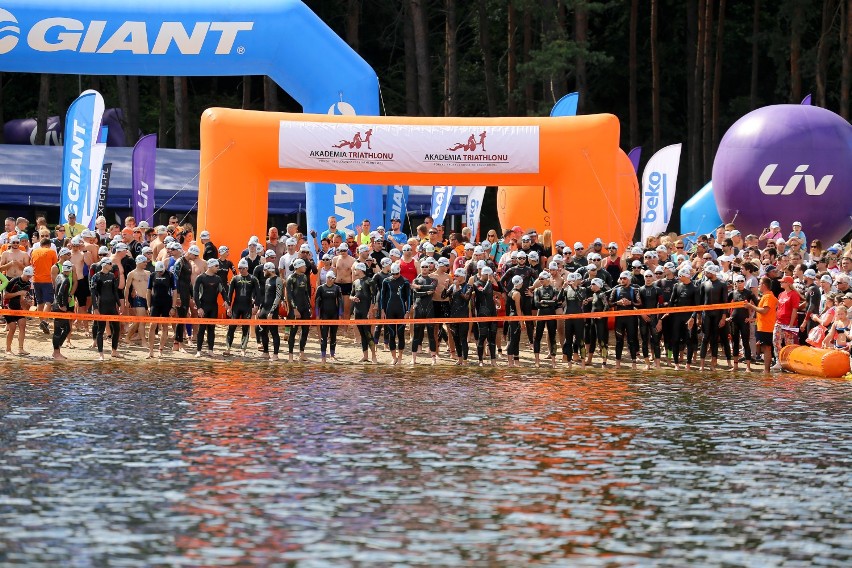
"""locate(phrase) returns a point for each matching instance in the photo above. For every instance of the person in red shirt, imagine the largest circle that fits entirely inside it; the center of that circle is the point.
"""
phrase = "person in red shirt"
(786, 315)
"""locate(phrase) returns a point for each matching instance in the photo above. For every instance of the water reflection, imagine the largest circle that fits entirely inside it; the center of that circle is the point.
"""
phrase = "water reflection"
(214, 465)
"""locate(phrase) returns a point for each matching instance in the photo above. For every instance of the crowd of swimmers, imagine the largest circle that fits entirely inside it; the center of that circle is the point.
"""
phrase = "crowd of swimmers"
(794, 291)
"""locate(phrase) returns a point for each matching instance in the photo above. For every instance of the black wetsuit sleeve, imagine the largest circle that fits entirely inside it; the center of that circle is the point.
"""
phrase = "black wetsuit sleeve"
(96, 292)
(197, 291)
(256, 291)
(279, 294)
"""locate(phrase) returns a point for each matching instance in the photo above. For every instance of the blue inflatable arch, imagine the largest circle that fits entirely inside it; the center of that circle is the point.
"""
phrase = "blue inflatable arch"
(283, 39)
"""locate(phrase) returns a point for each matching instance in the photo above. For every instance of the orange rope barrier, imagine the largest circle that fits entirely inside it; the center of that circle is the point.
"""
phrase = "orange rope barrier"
(340, 322)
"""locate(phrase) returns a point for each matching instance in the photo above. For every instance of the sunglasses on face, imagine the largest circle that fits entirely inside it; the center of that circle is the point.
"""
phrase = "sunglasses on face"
(579, 248)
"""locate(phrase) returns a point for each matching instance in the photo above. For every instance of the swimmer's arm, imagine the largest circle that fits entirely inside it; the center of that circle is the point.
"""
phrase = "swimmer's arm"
(3, 282)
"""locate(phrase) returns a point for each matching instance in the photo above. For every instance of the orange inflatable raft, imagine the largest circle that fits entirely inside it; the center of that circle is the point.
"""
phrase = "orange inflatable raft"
(807, 360)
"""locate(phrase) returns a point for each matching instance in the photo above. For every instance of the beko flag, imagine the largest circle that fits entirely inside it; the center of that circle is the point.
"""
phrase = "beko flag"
(441, 197)
(144, 173)
(474, 208)
(658, 189)
(397, 203)
(81, 159)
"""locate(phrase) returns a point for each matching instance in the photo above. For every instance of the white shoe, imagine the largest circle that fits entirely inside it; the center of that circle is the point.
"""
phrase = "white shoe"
(776, 367)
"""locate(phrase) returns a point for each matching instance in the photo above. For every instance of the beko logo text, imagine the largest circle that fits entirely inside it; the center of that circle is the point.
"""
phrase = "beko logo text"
(811, 185)
(69, 34)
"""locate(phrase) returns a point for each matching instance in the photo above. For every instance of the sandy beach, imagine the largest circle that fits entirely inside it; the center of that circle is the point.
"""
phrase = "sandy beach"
(39, 347)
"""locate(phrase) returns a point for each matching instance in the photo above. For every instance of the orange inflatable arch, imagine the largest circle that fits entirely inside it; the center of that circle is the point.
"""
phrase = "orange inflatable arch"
(242, 151)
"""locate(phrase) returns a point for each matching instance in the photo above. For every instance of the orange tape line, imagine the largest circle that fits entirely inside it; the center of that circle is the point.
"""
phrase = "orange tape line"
(499, 319)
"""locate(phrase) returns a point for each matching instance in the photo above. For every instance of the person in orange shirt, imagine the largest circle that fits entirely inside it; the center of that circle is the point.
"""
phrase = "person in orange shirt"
(766, 314)
(43, 260)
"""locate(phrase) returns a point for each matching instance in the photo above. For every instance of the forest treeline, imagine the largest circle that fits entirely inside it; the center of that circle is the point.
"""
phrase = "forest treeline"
(671, 70)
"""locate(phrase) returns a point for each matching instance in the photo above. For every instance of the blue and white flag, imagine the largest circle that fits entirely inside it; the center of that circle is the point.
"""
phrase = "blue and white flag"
(397, 203)
(82, 159)
(658, 190)
(441, 197)
(473, 209)
(566, 106)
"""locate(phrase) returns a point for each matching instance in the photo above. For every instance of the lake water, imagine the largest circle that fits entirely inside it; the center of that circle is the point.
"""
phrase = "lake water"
(207, 464)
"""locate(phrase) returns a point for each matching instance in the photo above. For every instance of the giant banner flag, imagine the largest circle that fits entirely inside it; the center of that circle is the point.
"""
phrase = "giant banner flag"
(474, 208)
(142, 180)
(82, 159)
(397, 203)
(441, 197)
(202, 38)
(658, 190)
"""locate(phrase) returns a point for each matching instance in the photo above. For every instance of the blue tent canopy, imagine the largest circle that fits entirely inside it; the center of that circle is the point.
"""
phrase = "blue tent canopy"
(30, 176)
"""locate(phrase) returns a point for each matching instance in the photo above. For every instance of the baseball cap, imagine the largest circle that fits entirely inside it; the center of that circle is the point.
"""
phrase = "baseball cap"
(739, 278)
(769, 268)
(192, 250)
(141, 259)
(774, 224)
(298, 263)
(797, 223)
(517, 229)
(28, 271)
(787, 280)
(204, 235)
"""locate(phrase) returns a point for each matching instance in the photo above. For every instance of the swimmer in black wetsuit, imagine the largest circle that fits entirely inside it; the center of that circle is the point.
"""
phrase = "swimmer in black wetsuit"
(459, 293)
(243, 293)
(395, 301)
(61, 298)
(573, 348)
(714, 323)
(545, 300)
(162, 292)
(514, 307)
(484, 285)
(596, 331)
(105, 301)
(271, 296)
(299, 300)
(650, 326)
(206, 292)
(684, 293)
(363, 306)
(624, 298)
(422, 290)
(329, 301)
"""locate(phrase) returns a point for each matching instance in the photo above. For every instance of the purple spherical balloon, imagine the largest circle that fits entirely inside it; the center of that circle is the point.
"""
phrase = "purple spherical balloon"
(787, 163)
